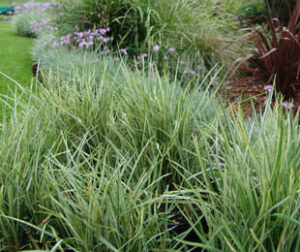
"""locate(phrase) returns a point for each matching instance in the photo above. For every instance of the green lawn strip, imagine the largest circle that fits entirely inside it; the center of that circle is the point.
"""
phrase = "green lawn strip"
(4, 17)
(15, 59)
(7, 3)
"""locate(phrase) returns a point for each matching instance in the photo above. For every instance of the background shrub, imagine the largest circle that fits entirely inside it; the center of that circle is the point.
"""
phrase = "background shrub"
(32, 17)
(190, 27)
(256, 11)
(22, 23)
(275, 60)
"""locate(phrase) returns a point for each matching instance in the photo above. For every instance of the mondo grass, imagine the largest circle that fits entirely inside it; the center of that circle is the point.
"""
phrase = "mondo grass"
(86, 163)
(255, 202)
(116, 161)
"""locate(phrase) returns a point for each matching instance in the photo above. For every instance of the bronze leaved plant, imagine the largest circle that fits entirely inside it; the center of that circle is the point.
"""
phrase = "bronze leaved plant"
(275, 59)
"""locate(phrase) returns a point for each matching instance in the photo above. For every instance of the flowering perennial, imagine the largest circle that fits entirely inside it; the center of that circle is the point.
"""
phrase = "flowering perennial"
(39, 7)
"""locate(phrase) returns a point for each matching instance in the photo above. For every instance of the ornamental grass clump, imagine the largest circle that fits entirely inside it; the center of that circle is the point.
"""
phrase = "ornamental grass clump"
(275, 59)
(132, 161)
(255, 165)
(90, 159)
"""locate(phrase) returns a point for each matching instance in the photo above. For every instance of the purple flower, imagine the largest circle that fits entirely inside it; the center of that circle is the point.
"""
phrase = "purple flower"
(54, 45)
(105, 50)
(102, 31)
(166, 58)
(189, 71)
(65, 39)
(105, 40)
(156, 48)
(116, 58)
(288, 105)
(47, 5)
(79, 34)
(268, 88)
(266, 102)
(18, 8)
(45, 21)
(85, 39)
(171, 50)
(142, 56)
(35, 27)
(123, 51)
(95, 61)
(83, 43)
(39, 7)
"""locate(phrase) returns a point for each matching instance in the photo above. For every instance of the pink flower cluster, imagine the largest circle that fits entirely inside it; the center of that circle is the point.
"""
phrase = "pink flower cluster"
(288, 105)
(189, 71)
(86, 39)
(39, 7)
(36, 27)
(268, 88)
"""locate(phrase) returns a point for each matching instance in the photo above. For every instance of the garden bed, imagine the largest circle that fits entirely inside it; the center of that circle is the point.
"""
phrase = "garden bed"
(128, 144)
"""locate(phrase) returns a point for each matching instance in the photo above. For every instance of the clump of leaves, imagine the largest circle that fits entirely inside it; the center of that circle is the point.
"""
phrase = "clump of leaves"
(275, 59)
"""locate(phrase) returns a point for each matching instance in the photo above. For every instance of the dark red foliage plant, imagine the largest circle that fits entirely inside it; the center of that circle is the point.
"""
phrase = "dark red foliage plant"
(275, 59)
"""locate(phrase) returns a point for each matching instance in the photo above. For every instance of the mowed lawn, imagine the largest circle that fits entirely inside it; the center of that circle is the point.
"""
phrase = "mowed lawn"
(7, 3)
(15, 59)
